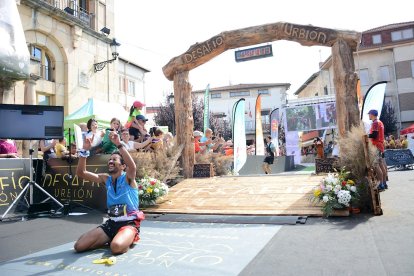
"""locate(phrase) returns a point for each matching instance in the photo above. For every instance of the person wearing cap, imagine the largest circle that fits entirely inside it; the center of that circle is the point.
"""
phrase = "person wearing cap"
(376, 135)
(134, 111)
(137, 129)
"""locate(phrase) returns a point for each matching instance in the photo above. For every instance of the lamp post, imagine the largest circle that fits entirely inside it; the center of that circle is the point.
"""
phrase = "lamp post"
(171, 102)
(101, 65)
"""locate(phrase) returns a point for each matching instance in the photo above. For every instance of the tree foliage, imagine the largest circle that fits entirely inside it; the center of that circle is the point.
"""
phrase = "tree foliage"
(388, 118)
(166, 114)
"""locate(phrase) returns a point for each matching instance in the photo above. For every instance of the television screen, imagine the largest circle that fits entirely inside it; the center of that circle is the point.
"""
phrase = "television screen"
(31, 122)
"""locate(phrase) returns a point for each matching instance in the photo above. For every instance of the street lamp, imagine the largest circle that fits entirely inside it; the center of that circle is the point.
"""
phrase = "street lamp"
(101, 65)
(171, 102)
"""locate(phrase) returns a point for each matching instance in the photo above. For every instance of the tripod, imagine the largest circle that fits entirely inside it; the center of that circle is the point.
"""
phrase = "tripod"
(71, 204)
(30, 186)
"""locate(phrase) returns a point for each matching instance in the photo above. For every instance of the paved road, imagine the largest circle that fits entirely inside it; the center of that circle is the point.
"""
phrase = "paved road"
(358, 245)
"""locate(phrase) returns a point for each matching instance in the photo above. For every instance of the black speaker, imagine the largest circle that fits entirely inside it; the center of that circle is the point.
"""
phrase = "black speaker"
(31, 122)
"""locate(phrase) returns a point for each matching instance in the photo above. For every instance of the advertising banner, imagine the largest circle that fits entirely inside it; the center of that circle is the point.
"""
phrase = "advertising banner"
(239, 136)
(207, 108)
(260, 148)
(274, 128)
(311, 117)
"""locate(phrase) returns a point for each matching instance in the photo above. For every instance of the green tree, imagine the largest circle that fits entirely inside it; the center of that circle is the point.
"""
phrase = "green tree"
(388, 118)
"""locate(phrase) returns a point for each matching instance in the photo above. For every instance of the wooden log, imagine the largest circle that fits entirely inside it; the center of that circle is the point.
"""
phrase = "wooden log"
(306, 35)
(184, 122)
(375, 195)
(345, 82)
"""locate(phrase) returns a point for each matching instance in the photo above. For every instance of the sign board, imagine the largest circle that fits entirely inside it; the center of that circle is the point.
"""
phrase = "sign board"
(326, 165)
(253, 53)
(203, 170)
(398, 157)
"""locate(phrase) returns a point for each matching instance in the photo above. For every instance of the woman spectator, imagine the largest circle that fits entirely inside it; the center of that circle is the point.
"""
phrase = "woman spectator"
(107, 146)
(8, 149)
(94, 134)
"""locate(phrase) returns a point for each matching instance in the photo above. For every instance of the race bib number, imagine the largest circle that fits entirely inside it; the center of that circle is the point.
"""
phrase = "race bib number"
(117, 210)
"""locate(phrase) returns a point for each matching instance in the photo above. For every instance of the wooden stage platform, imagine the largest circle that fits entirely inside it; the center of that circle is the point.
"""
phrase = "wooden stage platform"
(260, 195)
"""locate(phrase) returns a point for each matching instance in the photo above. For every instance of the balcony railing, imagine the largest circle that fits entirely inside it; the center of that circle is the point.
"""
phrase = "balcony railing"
(71, 7)
(40, 70)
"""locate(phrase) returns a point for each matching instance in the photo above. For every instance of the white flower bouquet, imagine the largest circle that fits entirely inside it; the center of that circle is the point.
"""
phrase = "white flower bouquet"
(149, 190)
(336, 191)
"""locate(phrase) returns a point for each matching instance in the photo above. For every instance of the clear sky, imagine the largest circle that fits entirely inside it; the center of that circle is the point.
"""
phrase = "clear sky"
(152, 32)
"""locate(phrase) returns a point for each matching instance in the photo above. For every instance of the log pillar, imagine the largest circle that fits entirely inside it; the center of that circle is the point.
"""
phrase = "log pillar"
(184, 122)
(345, 82)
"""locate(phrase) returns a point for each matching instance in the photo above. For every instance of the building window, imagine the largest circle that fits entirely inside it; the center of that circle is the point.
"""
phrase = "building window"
(43, 62)
(265, 117)
(376, 39)
(43, 99)
(131, 88)
(364, 77)
(122, 86)
(215, 95)
(263, 92)
(325, 90)
(36, 52)
(239, 94)
(402, 34)
(384, 73)
(412, 68)
(48, 68)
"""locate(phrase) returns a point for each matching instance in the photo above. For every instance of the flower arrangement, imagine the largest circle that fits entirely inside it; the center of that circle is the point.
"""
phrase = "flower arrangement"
(149, 190)
(336, 191)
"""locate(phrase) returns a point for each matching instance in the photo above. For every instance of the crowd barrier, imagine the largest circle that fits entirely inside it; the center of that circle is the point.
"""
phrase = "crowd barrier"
(15, 174)
(399, 157)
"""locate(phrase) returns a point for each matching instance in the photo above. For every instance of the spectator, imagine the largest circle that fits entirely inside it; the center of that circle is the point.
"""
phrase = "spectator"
(210, 142)
(197, 136)
(156, 143)
(60, 148)
(168, 141)
(319, 148)
(134, 111)
(132, 146)
(48, 148)
(377, 138)
(8, 149)
(139, 133)
(72, 153)
(404, 142)
(95, 135)
(335, 150)
(107, 146)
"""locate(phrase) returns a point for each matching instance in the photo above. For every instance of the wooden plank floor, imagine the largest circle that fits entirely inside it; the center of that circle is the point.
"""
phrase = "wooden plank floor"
(261, 195)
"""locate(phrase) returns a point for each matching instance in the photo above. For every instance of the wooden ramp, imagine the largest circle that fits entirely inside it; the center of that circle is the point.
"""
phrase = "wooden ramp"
(260, 195)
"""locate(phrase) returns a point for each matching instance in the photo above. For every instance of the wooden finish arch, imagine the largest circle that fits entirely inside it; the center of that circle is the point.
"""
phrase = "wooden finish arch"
(343, 44)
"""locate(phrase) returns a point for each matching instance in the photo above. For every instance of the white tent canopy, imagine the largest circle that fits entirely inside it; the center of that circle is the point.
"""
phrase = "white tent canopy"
(103, 112)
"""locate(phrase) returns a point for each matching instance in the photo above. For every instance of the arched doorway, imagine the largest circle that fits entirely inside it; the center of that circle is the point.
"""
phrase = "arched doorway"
(343, 44)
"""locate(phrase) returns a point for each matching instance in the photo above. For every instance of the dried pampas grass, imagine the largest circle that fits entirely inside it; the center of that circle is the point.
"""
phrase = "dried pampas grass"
(161, 164)
(352, 155)
(221, 163)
